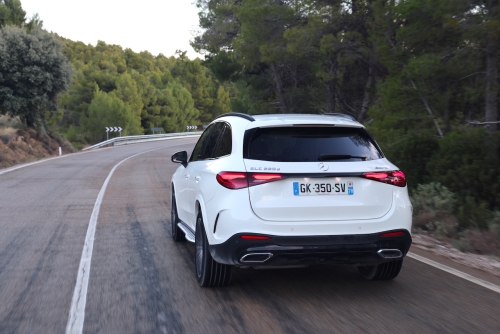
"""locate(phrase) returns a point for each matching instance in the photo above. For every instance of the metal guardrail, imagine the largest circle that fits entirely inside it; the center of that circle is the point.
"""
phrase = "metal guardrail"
(140, 139)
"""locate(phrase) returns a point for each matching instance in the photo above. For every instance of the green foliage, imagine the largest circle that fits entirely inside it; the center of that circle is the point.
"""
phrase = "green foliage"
(107, 110)
(433, 197)
(412, 155)
(433, 205)
(160, 91)
(11, 13)
(474, 213)
(468, 163)
(33, 71)
(494, 224)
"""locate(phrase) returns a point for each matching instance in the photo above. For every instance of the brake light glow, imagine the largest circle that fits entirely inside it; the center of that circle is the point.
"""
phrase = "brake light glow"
(232, 180)
(260, 178)
(239, 180)
(255, 237)
(392, 234)
(396, 178)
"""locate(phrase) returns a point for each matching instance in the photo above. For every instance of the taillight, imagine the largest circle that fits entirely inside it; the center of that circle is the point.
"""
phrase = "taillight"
(232, 180)
(396, 178)
(260, 178)
(238, 180)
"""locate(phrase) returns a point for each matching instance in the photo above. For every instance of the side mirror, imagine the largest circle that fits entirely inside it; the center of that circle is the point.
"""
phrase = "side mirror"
(180, 158)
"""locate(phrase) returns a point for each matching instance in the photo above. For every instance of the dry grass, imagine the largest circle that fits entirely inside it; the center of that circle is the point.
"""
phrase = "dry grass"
(482, 242)
(22, 146)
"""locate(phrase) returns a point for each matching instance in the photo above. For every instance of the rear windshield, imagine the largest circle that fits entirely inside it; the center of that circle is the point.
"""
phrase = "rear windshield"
(303, 144)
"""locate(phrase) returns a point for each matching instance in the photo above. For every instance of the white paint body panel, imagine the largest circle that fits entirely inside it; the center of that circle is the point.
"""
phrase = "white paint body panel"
(273, 210)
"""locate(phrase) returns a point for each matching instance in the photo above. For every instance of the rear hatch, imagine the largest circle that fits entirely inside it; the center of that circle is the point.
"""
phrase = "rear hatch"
(319, 172)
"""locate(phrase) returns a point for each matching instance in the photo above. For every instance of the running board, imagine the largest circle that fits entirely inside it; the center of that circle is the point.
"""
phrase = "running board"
(187, 231)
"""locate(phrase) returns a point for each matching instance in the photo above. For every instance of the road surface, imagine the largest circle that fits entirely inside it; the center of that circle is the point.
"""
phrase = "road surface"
(142, 282)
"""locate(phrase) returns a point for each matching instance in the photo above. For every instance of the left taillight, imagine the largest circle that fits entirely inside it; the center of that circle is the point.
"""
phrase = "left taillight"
(396, 178)
(238, 180)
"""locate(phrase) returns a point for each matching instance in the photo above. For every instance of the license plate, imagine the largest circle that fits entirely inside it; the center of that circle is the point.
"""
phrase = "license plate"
(322, 188)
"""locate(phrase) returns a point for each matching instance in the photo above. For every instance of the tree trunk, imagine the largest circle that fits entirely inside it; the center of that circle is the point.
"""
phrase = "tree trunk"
(491, 103)
(366, 97)
(279, 89)
(330, 96)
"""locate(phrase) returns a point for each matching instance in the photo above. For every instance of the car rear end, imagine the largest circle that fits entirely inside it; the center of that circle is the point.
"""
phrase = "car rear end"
(314, 190)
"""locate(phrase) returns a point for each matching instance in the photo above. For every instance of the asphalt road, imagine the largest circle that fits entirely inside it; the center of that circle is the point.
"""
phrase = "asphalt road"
(141, 282)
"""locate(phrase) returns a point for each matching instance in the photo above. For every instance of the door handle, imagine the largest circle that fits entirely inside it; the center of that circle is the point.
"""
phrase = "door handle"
(186, 176)
(197, 178)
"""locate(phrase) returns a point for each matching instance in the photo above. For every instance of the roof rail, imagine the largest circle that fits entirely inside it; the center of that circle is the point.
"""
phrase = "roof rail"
(237, 114)
(342, 115)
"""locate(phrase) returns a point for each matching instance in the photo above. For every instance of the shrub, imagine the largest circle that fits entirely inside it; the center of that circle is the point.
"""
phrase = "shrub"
(473, 213)
(482, 242)
(411, 155)
(433, 205)
(468, 163)
(494, 224)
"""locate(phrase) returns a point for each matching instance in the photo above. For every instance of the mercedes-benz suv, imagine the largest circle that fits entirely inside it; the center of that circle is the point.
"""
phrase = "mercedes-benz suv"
(290, 190)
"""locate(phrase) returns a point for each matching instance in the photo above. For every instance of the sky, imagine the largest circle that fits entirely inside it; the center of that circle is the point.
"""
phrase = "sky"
(157, 26)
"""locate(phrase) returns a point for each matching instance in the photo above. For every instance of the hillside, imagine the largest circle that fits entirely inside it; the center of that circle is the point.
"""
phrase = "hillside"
(19, 146)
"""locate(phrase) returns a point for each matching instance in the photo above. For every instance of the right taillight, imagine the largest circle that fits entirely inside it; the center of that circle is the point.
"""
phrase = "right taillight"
(396, 178)
(238, 180)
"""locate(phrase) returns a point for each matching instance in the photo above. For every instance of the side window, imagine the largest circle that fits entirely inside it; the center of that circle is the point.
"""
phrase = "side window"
(211, 141)
(225, 143)
(198, 149)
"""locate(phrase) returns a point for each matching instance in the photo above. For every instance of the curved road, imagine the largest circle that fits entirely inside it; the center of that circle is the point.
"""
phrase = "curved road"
(141, 282)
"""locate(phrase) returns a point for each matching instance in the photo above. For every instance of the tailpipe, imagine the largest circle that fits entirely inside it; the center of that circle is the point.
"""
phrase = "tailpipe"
(390, 254)
(256, 257)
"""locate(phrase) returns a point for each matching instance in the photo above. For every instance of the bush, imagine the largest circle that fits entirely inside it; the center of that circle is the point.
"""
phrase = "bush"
(482, 242)
(433, 206)
(494, 224)
(474, 213)
(468, 163)
(412, 155)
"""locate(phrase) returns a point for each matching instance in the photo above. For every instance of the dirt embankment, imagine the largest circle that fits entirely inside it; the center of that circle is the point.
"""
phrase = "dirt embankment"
(22, 146)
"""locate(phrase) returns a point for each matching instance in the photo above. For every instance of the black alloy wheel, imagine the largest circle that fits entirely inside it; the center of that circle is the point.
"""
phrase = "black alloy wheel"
(382, 272)
(177, 234)
(208, 272)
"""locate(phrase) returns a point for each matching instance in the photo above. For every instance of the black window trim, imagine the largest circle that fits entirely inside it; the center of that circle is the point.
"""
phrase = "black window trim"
(219, 141)
(217, 144)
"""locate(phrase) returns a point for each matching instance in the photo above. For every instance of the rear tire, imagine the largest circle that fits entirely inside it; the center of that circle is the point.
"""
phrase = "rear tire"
(177, 234)
(208, 272)
(382, 272)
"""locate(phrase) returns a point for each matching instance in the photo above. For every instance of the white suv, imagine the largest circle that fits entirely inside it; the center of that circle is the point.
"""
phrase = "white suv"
(290, 190)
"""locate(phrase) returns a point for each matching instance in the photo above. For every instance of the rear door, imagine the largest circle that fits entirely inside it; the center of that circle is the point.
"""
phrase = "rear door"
(199, 170)
(321, 167)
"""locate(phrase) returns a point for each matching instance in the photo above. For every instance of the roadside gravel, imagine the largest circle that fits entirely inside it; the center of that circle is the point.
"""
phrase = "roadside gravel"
(440, 248)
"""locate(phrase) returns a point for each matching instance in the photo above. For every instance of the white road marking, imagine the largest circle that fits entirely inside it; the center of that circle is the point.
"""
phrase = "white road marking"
(77, 311)
(455, 272)
(11, 169)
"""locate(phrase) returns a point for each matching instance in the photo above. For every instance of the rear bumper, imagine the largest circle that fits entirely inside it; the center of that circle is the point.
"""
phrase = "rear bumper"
(358, 249)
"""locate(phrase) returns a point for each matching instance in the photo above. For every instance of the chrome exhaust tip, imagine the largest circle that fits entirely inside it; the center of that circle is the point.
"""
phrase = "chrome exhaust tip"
(256, 257)
(390, 254)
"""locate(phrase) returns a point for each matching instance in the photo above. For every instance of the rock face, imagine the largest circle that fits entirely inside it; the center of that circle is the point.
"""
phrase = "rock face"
(22, 146)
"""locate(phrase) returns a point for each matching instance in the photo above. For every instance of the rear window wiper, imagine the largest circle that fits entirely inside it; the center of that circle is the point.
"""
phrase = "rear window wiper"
(331, 157)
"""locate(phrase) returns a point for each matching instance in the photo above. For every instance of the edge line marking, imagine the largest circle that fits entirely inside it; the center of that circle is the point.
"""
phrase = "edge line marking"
(77, 311)
(455, 272)
(13, 168)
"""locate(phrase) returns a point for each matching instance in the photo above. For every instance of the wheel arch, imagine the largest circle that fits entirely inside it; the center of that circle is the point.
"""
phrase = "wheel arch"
(200, 208)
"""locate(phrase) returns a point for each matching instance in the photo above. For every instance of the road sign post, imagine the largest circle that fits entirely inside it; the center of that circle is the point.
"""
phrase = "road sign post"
(113, 129)
(156, 129)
